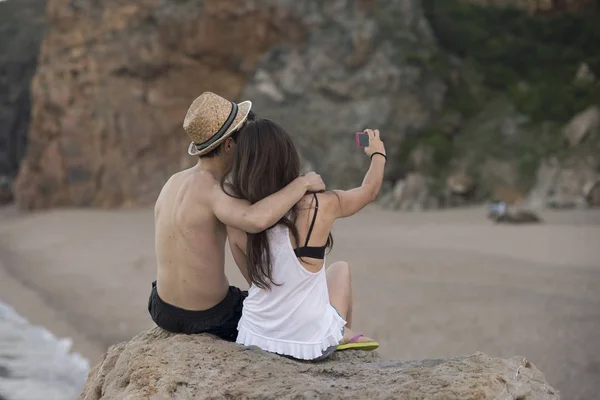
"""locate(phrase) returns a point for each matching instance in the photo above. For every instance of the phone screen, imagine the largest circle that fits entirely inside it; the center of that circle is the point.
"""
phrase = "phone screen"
(362, 139)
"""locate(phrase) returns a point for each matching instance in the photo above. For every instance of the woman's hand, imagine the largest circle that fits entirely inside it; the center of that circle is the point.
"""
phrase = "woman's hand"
(375, 143)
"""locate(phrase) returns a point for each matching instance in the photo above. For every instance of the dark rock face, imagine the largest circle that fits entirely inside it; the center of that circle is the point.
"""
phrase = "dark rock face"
(22, 27)
(353, 72)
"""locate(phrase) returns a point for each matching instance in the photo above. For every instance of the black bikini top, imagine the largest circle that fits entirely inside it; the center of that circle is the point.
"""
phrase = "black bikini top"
(309, 251)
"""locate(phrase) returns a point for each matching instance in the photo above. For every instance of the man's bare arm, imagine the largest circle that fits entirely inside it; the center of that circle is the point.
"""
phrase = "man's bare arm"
(254, 218)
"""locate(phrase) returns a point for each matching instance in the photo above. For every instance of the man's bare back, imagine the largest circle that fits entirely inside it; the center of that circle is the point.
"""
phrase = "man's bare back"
(190, 242)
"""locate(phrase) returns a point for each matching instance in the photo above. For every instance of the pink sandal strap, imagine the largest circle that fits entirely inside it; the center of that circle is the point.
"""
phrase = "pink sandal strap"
(355, 338)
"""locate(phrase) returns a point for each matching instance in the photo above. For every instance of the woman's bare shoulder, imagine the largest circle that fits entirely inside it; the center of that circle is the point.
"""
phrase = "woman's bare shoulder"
(328, 201)
(323, 197)
(328, 196)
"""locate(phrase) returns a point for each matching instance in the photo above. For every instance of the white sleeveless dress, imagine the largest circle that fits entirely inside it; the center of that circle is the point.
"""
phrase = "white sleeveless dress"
(293, 319)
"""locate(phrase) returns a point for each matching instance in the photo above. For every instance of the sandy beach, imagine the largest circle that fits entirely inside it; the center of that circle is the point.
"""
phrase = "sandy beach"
(426, 285)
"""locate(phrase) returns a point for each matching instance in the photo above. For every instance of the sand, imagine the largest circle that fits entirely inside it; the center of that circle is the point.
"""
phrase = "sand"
(427, 285)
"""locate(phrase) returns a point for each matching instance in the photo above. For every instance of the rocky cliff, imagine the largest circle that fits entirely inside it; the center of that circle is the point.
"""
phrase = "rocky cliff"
(159, 365)
(114, 82)
(22, 27)
(472, 100)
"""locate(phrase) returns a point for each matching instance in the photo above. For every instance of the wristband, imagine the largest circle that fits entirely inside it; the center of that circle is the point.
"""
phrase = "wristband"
(381, 154)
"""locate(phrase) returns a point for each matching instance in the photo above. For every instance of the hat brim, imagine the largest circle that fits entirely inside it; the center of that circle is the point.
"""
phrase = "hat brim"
(243, 111)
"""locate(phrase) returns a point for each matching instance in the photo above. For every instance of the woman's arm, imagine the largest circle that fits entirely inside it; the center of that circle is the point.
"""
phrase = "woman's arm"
(237, 243)
(351, 201)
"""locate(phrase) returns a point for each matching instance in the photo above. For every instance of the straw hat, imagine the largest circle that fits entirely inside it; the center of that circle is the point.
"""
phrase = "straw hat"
(211, 119)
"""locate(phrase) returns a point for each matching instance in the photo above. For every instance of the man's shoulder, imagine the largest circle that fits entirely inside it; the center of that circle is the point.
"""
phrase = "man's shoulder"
(199, 185)
(191, 184)
(189, 194)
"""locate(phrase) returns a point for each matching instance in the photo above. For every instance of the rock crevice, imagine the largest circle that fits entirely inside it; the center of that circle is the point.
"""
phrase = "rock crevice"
(22, 27)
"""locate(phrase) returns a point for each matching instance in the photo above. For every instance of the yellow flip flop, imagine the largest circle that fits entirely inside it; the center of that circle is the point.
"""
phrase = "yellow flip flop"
(354, 345)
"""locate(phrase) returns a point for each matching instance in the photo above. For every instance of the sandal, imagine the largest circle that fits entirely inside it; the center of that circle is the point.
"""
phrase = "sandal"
(354, 345)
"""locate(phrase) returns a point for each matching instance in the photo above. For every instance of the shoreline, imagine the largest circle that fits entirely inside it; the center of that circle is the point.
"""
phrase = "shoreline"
(35, 309)
(32, 306)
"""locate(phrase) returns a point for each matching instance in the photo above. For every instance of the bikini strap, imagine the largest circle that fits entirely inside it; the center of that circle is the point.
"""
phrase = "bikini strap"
(314, 219)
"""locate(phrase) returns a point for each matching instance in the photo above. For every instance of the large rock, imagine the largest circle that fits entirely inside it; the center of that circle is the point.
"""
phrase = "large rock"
(22, 26)
(114, 82)
(351, 73)
(581, 125)
(159, 365)
(565, 183)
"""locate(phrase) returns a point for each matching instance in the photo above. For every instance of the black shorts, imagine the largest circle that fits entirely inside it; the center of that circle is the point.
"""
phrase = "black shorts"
(220, 320)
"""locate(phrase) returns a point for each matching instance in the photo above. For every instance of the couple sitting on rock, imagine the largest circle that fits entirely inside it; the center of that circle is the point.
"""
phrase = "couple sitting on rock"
(247, 188)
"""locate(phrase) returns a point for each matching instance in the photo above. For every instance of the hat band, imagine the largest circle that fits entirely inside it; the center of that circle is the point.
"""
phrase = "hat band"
(224, 128)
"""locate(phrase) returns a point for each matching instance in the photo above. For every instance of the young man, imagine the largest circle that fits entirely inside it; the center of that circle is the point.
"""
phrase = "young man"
(192, 293)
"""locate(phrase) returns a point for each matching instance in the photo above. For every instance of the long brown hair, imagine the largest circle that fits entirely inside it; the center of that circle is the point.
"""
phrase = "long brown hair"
(266, 161)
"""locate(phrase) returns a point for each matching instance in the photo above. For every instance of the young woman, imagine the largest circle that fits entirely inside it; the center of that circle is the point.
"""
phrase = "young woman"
(294, 307)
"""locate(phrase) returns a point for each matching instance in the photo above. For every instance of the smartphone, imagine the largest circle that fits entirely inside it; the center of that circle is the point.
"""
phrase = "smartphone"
(362, 139)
